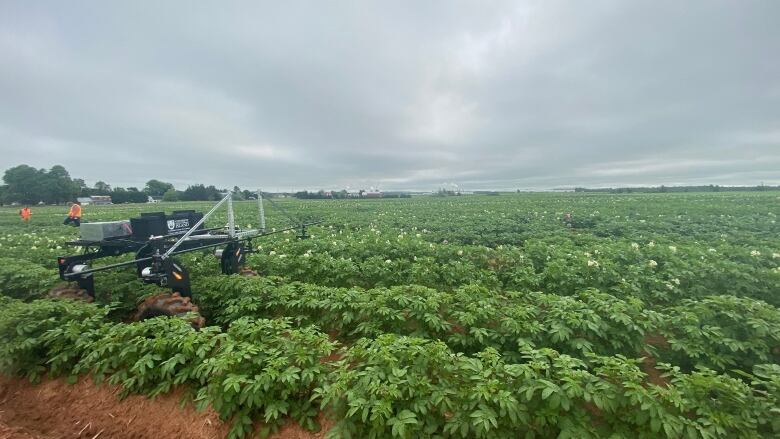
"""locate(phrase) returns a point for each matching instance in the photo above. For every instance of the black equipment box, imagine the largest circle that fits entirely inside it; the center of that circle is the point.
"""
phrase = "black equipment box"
(158, 223)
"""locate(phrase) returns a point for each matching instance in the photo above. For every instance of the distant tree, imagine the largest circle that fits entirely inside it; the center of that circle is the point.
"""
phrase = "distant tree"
(29, 185)
(131, 195)
(196, 192)
(118, 195)
(102, 188)
(247, 194)
(157, 188)
(136, 196)
(23, 184)
(237, 194)
(171, 195)
(58, 187)
(83, 189)
(199, 192)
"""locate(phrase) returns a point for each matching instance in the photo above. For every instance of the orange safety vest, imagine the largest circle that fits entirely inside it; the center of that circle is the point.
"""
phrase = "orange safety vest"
(25, 213)
(75, 211)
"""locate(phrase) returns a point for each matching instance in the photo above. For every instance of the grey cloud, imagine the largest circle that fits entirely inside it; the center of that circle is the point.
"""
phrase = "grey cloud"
(287, 95)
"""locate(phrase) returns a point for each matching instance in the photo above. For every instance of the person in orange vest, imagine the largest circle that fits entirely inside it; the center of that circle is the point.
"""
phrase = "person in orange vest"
(74, 216)
(26, 214)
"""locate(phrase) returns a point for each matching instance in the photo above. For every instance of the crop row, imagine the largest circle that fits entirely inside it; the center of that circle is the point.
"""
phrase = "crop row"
(391, 386)
(720, 332)
(255, 369)
(656, 273)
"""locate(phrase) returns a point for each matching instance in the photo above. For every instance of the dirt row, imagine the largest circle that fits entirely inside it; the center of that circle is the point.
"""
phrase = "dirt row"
(54, 409)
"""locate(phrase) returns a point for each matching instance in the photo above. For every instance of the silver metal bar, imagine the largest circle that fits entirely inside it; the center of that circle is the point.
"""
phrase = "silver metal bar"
(231, 218)
(260, 210)
(193, 228)
(248, 234)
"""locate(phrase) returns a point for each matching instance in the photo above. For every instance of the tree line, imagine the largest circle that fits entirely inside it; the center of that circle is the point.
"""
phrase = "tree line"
(342, 194)
(24, 184)
(665, 189)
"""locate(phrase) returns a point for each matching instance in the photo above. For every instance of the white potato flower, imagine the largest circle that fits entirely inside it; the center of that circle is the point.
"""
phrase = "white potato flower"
(592, 263)
(635, 246)
(673, 249)
(652, 263)
(755, 253)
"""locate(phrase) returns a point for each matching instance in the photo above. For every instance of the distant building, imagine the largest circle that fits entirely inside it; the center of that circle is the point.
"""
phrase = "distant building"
(101, 200)
(376, 194)
(97, 200)
(151, 199)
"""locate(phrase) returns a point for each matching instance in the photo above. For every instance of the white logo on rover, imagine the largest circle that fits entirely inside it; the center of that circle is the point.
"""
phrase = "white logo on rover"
(171, 224)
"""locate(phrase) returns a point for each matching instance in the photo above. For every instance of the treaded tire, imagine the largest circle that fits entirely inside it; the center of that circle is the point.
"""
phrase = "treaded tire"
(170, 305)
(70, 292)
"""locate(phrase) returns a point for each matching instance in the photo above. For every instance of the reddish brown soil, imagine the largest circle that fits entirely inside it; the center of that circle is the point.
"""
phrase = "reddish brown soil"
(657, 340)
(654, 376)
(456, 328)
(56, 410)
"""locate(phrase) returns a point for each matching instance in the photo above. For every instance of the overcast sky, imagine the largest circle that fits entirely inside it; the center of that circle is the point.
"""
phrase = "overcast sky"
(393, 94)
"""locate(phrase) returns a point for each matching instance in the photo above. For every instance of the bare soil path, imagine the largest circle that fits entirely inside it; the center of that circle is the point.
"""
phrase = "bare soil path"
(54, 409)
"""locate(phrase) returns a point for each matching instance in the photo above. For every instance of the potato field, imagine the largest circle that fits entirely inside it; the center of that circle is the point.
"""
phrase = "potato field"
(654, 315)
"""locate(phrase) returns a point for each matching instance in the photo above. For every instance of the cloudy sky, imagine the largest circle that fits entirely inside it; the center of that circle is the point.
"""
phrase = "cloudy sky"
(393, 94)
